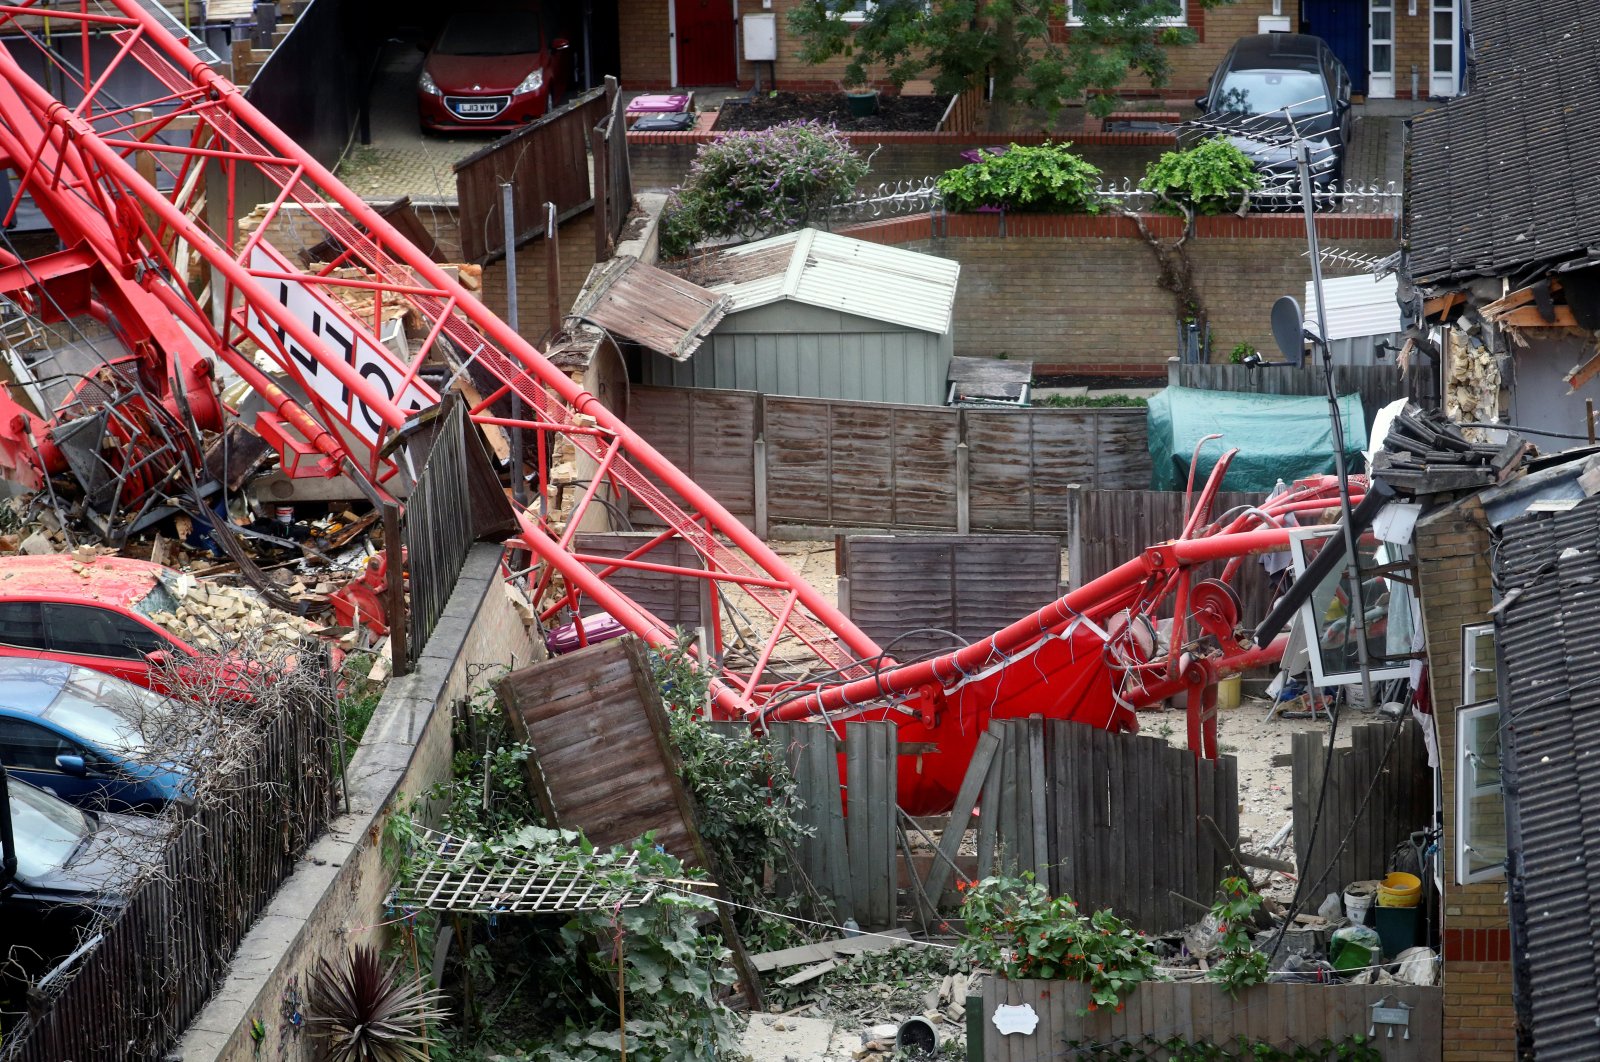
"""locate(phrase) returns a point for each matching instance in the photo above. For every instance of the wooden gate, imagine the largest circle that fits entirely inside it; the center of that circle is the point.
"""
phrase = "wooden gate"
(705, 41)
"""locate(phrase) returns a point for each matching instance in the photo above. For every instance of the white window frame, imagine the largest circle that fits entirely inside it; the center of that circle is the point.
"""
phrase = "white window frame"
(1181, 19)
(1477, 704)
(1312, 629)
(1446, 83)
(858, 13)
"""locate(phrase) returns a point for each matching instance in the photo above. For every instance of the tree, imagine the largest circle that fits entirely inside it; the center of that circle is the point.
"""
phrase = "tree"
(962, 43)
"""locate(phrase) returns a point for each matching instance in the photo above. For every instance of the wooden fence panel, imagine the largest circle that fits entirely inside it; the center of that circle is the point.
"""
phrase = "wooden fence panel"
(1378, 385)
(709, 434)
(546, 161)
(872, 768)
(834, 464)
(809, 749)
(970, 585)
(860, 464)
(1393, 767)
(593, 717)
(1106, 527)
(1284, 1015)
(673, 599)
(1126, 824)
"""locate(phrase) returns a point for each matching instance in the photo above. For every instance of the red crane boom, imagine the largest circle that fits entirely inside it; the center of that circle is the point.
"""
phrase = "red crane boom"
(335, 393)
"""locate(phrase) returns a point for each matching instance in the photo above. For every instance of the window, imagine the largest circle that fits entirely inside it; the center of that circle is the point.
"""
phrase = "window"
(1179, 16)
(28, 746)
(1480, 842)
(99, 632)
(1325, 617)
(20, 624)
(858, 12)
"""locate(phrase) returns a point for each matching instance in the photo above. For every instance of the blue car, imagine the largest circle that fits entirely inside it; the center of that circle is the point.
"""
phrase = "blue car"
(85, 736)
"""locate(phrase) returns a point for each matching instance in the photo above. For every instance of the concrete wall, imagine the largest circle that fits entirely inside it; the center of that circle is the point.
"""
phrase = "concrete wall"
(335, 898)
(1079, 294)
(1453, 573)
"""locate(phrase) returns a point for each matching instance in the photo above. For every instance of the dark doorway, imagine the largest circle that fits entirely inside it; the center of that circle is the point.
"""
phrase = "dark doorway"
(1343, 24)
(705, 42)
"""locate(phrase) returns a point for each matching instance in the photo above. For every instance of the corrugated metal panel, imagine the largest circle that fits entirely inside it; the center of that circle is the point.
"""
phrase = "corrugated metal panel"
(1361, 305)
(839, 273)
(1549, 643)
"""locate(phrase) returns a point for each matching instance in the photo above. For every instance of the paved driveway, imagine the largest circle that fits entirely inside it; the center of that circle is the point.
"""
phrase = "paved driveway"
(402, 159)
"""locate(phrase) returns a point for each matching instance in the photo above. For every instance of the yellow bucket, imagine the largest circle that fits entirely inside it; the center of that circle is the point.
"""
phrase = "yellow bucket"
(1400, 890)
(1228, 692)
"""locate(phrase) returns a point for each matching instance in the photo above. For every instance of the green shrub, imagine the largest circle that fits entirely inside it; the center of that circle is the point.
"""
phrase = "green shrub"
(1212, 177)
(760, 183)
(1046, 179)
(1092, 401)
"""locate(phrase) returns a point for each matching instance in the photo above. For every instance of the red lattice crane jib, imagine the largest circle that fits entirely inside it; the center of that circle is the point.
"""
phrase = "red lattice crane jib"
(197, 302)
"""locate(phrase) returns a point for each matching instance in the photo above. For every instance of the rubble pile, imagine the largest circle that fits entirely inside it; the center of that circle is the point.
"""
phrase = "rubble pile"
(1425, 453)
(209, 616)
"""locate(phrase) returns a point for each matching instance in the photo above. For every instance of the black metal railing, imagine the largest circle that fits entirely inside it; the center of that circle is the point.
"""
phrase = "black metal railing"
(437, 528)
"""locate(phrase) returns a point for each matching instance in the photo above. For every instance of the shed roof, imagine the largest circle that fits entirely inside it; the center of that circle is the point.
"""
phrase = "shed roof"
(1500, 178)
(1362, 305)
(649, 306)
(835, 272)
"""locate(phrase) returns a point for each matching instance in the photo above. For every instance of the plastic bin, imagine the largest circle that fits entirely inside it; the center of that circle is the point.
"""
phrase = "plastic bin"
(1397, 928)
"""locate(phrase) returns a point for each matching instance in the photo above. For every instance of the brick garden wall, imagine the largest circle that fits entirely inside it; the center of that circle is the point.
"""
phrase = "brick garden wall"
(1453, 572)
(577, 258)
(659, 160)
(1078, 293)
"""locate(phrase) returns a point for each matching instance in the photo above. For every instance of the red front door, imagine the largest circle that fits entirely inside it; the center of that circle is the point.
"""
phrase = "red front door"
(705, 42)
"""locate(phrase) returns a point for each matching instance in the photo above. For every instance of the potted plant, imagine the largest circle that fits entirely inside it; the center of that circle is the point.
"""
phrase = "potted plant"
(860, 97)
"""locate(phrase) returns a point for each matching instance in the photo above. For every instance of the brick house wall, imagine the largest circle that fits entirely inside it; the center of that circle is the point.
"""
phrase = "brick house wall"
(1454, 581)
(577, 258)
(646, 63)
(1078, 294)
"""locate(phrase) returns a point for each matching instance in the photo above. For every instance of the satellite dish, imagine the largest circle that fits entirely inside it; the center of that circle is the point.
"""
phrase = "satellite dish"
(1289, 329)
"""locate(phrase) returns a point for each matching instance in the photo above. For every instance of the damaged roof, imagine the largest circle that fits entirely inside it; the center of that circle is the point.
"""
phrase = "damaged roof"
(1500, 177)
(650, 306)
(1548, 568)
(835, 272)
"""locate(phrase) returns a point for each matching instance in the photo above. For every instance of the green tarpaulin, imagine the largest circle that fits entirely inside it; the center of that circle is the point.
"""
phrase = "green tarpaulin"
(1278, 437)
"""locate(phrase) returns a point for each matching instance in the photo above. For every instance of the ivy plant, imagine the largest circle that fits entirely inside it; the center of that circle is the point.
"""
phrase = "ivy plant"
(1047, 178)
(1018, 929)
(1239, 965)
(746, 802)
(1212, 177)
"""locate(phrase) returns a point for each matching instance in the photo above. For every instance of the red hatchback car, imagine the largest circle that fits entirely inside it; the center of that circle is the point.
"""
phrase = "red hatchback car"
(492, 70)
(94, 614)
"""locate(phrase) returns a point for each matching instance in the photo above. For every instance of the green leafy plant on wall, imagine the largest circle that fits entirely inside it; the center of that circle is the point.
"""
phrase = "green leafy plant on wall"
(1213, 177)
(1047, 178)
(1017, 929)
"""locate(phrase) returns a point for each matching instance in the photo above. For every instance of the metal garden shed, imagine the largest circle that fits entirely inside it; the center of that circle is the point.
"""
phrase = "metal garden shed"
(818, 315)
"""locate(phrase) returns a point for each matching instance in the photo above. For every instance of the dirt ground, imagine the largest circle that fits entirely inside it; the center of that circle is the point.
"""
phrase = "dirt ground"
(914, 114)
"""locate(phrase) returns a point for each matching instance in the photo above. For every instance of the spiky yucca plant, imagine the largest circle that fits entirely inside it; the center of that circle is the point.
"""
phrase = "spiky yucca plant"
(368, 1014)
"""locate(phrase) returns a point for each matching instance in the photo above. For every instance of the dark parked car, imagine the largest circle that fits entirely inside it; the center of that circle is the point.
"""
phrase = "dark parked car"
(493, 70)
(1273, 87)
(85, 736)
(72, 867)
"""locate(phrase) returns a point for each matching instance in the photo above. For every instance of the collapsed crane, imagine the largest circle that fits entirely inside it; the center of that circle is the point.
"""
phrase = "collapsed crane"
(336, 394)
